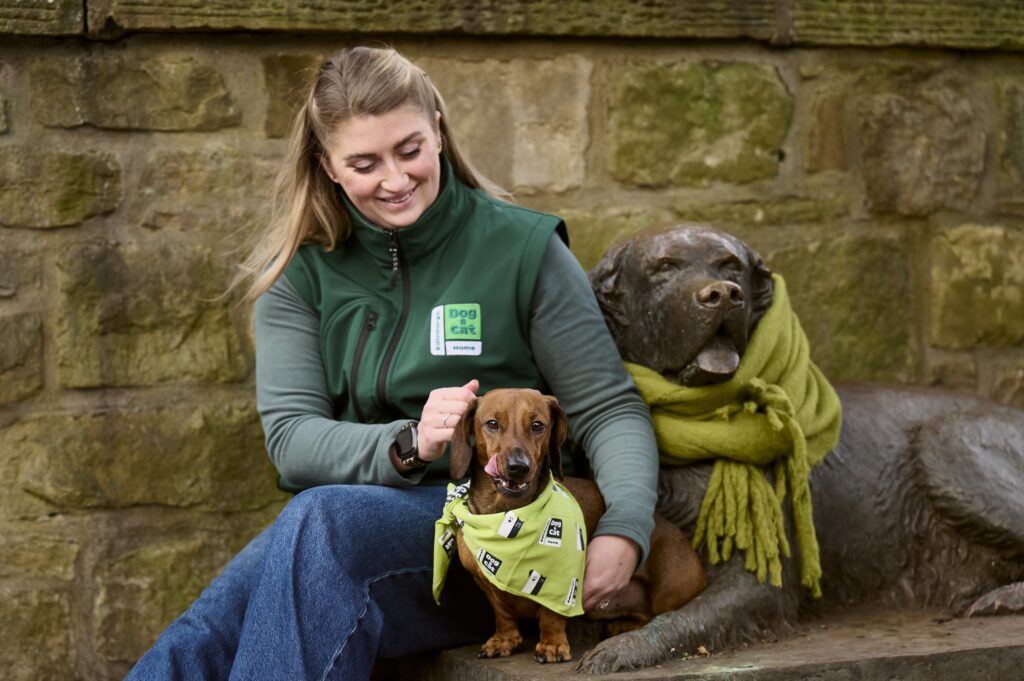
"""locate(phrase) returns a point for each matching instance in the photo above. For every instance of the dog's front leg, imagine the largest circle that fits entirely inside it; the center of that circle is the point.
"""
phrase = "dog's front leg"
(507, 638)
(553, 645)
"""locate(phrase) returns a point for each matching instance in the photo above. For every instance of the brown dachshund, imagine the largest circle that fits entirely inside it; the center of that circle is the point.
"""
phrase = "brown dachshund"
(515, 432)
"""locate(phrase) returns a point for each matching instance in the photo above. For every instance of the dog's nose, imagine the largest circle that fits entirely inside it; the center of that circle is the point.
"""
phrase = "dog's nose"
(723, 295)
(517, 465)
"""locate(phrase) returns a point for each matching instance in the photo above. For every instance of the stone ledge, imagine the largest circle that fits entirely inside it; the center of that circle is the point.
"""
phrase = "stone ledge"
(42, 17)
(907, 645)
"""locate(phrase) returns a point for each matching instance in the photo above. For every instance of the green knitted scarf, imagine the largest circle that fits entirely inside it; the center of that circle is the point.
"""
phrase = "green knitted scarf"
(776, 414)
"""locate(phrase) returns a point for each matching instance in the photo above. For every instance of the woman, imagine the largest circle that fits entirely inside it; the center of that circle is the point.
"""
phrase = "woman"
(396, 285)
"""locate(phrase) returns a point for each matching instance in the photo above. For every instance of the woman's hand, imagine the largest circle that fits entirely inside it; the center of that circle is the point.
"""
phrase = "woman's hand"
(441, 413)
(611, 561)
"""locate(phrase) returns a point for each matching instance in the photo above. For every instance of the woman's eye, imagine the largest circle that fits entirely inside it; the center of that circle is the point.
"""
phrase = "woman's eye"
(364, 169)
(410, 153)
(491, 424)
(536, 426)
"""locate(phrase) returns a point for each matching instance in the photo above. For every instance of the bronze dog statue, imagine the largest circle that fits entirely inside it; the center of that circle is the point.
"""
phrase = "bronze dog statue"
(919, 505)
(516, 431)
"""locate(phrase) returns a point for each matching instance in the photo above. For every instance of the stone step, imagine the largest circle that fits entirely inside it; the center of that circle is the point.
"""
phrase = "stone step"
(862, 646)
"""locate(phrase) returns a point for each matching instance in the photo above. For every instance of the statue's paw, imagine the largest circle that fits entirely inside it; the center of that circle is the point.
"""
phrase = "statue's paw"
(557, 651)
(621, 653)
(500, 646)
(1006, 600)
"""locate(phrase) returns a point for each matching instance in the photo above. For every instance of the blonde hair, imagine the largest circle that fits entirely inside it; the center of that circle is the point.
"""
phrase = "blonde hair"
(357, 81)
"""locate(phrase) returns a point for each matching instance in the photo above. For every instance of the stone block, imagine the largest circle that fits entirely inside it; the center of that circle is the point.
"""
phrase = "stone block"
(1010, 179)
(691, 124)
(214, 190)
(36, 643)
(42, 17)
(139, 315)
(1008, 380)
(115, 91)
(826, 148)
(21, 356)
(195, 456)
(42, 188)
(530, 131)
(591, 233)
(977, 24)
(33, 555)
(286, 78)
(19, 271)
(143, 590)
(922, 143)
(855, 302)
(793, 210)
(954, 370)
(4, 126)
(628, 18)
(977, 287)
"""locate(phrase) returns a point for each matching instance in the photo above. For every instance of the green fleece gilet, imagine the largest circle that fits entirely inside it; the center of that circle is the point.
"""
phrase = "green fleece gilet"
(437, 303)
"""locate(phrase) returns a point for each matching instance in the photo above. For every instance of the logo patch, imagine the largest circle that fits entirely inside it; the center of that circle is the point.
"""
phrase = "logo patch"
(510, 526)
(455, 329)
(488, 561)
(552, 535)
(534, 583)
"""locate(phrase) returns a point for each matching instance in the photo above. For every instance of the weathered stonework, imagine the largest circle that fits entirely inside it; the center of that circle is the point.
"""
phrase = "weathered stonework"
(37, 556)
(141, 591)
(175, 189)
(591, 233)
(635, 18)
(977, 287)
(530, 129)
(1008, 383)
(113, 91)
(953, 370)
(41, 188)
(695, 123)
(787, 211)
(286, 77)
(4, 126)
(826, 147)
(195, 456)
(38, 621)
(922, 143)
(19, 271)
(21, 353)
(1011, 148)
(42, 17)
(139, 315)
(854, 300)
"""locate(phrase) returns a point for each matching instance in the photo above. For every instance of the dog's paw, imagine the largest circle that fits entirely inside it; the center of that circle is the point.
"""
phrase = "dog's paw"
(551, 652)
(622, 653)
(500, 646)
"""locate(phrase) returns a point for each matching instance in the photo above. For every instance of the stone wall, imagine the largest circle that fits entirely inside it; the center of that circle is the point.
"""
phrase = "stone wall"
(872, 151)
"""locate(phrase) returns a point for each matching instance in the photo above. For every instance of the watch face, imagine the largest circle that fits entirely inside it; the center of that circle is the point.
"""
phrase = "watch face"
(406, 441)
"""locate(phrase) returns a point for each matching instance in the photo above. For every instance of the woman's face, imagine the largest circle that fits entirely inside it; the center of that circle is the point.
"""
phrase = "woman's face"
(387, 165)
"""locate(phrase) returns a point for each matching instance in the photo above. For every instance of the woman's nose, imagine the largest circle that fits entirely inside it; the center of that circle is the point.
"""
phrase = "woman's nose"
(394, 177)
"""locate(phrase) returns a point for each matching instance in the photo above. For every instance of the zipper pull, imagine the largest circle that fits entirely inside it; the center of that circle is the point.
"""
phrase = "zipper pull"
(393, 250)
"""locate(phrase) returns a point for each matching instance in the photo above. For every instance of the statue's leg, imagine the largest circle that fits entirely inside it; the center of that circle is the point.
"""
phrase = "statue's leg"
(734, 608)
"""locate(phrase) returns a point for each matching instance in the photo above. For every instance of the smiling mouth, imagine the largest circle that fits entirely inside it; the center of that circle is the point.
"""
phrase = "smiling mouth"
(400, 199)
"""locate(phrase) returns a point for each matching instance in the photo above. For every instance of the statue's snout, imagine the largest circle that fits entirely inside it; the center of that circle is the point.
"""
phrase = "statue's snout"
(721, 295)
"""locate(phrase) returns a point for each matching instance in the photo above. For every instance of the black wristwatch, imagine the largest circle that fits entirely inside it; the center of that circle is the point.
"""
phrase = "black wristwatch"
(405, 446)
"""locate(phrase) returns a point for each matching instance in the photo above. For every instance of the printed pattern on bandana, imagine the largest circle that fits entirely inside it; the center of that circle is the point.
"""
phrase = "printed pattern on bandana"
(536, 551)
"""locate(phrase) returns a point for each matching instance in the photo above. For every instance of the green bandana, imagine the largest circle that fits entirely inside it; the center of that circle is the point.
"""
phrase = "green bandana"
(777, 413)
(536, 551)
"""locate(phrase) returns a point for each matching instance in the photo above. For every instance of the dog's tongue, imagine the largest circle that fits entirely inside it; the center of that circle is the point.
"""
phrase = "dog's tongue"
(492, 467)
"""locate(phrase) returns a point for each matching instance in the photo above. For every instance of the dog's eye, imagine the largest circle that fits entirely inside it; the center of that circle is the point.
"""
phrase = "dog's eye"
(491, 424)
(731, 265)
(537, 426)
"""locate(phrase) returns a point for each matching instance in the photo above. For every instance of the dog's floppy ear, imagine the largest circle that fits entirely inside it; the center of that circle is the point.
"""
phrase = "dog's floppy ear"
(462, 452)
(762, 288)
(556, 438)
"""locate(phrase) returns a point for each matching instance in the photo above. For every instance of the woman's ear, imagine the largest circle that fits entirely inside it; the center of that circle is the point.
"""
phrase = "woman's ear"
(325, 163)
(462, 452)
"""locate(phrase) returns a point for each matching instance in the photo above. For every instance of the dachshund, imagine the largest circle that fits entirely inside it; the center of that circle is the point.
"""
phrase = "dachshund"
(516, 431)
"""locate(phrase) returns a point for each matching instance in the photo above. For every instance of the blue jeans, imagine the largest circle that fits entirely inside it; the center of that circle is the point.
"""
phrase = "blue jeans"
(341, 578)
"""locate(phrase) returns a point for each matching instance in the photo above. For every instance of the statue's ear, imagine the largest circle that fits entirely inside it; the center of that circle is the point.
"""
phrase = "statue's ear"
(556, 438)
(604, 277)
(762, 288)
(462, 452)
